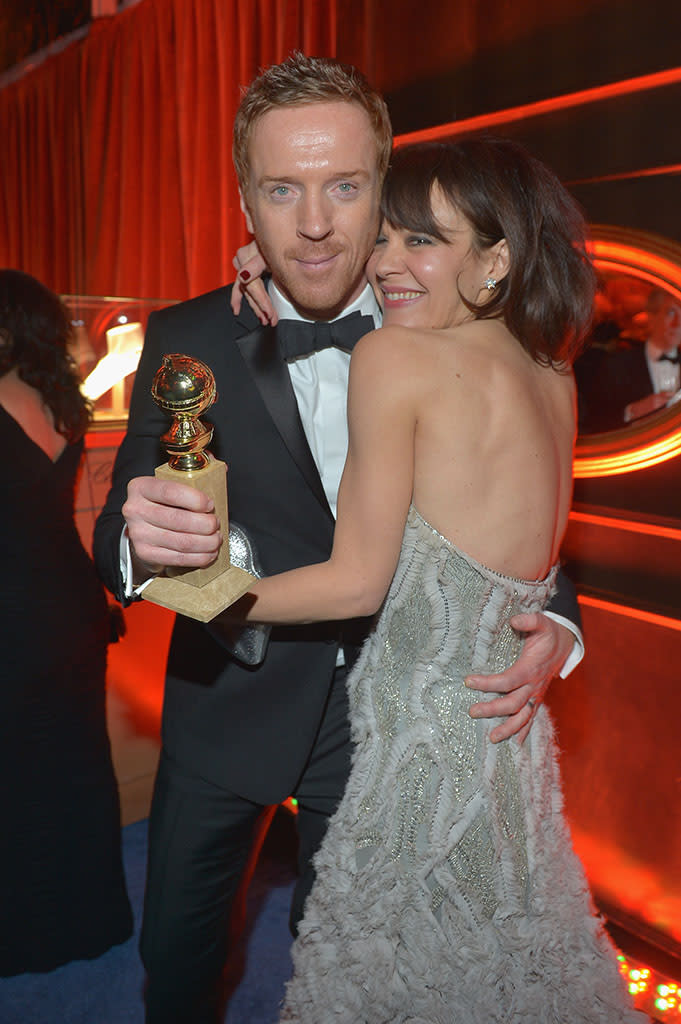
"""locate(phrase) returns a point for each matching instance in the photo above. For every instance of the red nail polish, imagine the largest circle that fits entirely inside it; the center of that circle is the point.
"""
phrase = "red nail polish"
(245, 275)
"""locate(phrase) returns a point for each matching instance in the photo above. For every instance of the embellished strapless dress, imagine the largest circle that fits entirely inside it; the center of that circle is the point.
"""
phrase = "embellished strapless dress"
(447, 887)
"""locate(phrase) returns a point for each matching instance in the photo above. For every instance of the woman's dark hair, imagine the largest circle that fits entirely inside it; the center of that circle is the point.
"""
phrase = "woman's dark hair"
(546, 299)
(35, 329)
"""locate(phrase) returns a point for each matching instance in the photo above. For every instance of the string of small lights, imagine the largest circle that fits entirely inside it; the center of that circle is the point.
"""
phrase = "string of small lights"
(652, 991)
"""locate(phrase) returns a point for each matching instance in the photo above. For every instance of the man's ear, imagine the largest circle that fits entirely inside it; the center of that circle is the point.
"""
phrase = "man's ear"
(500, 260)
(246, 212)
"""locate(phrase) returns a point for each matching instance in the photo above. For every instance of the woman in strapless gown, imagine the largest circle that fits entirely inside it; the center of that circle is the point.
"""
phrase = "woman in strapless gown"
(447, 889)
(62, 893)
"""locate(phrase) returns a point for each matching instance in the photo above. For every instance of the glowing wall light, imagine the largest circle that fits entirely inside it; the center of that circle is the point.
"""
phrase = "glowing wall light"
(657, 437)
(124, 345)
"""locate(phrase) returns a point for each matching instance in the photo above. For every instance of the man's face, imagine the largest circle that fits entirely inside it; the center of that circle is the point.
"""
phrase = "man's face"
(664, 325)
(312, 202)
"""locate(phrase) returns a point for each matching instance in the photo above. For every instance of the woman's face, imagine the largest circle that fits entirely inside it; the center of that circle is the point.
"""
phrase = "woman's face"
(419, 279)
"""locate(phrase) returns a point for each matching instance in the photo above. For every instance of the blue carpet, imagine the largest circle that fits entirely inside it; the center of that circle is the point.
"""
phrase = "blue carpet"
(109, 990)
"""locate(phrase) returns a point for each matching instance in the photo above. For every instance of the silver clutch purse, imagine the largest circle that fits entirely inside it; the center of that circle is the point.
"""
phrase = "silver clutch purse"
(248, 644)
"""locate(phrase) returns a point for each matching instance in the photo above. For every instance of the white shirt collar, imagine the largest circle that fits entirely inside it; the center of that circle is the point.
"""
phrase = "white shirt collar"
(654, 353)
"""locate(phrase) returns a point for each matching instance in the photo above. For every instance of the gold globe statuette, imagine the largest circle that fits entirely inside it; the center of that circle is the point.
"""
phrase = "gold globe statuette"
(184, 387)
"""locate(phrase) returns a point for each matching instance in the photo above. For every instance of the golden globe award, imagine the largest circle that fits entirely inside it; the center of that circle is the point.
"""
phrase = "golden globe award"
(185, 387)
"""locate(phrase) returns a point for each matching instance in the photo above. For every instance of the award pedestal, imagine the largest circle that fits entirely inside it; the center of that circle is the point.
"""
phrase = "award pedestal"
(202, 593)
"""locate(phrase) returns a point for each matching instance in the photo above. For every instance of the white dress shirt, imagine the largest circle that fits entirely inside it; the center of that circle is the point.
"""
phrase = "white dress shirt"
(664, 375)
(320, 383)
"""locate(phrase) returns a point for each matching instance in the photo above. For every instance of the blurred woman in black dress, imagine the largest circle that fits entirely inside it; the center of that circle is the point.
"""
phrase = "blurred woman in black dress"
(62, 888)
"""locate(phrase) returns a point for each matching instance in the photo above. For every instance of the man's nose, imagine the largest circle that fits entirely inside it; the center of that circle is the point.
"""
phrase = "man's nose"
(315, 218)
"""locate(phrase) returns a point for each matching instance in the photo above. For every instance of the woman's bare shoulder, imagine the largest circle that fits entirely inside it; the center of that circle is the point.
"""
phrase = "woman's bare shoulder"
(393, 346)
(384, 338)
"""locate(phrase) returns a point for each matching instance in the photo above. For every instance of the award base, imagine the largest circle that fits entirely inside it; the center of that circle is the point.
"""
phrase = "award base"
(202, 594)
(200, 603)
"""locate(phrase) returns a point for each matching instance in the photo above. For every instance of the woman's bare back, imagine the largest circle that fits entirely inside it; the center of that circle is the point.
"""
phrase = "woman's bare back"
(493, 447)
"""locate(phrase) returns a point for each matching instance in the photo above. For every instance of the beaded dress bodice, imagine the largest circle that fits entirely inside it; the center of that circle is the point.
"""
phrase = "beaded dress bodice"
(432, 767)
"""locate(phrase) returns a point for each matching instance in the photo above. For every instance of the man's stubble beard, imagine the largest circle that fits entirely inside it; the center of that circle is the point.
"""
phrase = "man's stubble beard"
(323, 299)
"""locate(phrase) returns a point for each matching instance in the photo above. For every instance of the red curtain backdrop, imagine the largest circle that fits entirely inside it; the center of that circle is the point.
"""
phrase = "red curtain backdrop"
(117, 175)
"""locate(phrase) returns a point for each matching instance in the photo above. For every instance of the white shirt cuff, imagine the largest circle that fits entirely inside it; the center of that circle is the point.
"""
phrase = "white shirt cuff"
(577, 653)
(125, 556)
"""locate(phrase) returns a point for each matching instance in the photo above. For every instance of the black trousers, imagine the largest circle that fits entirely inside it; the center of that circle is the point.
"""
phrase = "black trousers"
(200, 840)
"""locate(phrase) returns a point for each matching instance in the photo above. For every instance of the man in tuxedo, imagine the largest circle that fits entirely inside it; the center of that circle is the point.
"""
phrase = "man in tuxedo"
(311, 146)
(637, 381)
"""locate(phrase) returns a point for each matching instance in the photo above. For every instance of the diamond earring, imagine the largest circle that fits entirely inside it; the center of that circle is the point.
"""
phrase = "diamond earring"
(490, 284)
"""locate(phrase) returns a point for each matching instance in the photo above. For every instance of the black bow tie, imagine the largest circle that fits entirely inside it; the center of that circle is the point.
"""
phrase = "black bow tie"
(302, 337)
(665, 357)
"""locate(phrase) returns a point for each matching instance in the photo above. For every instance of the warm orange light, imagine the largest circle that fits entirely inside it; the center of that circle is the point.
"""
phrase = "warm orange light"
(628, 525)
(642, 172)
(631, 259)
(642, 457)
(630, 613)
(643, 83)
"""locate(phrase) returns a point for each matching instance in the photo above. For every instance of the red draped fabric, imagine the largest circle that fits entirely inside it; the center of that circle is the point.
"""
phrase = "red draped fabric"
(117, 175)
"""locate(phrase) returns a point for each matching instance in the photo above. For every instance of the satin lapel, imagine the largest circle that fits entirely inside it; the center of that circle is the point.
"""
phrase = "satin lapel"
(261, 354)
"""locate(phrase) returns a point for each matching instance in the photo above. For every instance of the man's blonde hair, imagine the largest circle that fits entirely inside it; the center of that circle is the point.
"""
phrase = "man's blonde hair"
(299, 80)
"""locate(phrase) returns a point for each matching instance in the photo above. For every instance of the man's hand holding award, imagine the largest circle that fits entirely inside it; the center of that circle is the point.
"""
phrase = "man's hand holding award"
(185, 388)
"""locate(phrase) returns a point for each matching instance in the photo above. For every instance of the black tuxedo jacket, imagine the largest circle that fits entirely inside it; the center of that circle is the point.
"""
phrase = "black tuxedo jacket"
(633, 376)
(248, 729)
(622, 377)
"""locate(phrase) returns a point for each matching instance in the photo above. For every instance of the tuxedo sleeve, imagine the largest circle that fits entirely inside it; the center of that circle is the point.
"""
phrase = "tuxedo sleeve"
(138, 455)
(564, 601)
(564, 609)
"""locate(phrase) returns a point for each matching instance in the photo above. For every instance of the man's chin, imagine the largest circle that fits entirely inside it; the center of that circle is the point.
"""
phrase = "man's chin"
(319, 302)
